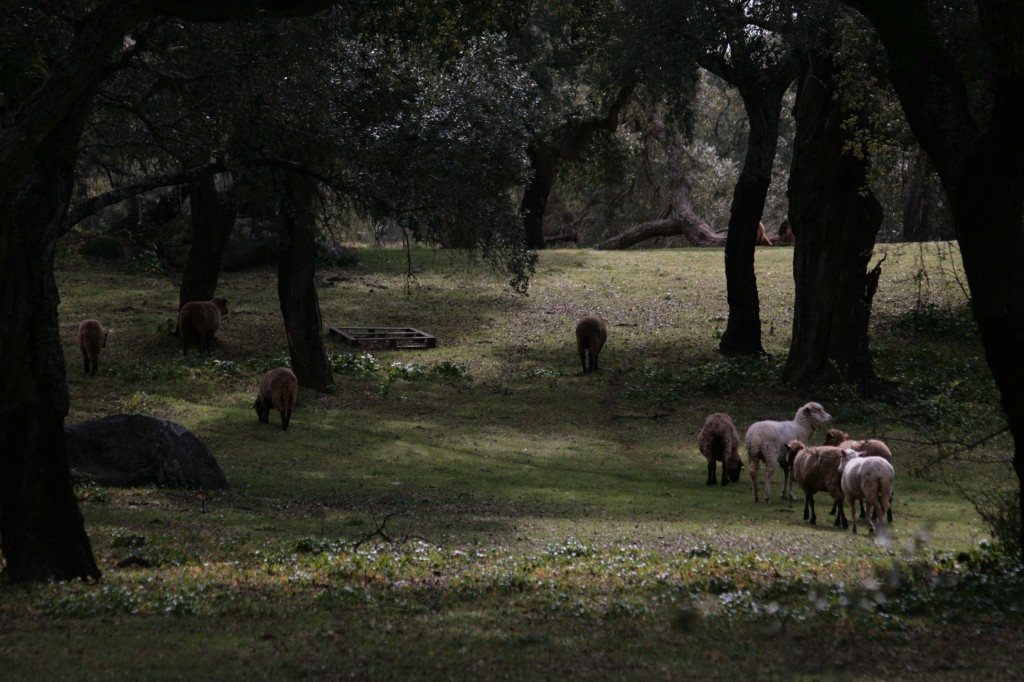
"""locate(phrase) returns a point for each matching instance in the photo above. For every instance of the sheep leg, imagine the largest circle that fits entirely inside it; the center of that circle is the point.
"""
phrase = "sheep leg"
(769, 469)
(583, 359)
(85, 357)
(840, 521)
(712, 478)
(754, 466)
(853, 514)
(94, 363)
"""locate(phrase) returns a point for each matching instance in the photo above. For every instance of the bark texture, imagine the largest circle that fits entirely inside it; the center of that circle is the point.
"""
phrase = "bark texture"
(836, 221)
(296, 284)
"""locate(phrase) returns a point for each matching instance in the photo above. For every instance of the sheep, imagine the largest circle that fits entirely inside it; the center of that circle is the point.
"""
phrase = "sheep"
(869, 479)
(762, 238)
(816, 469)
(199, 320)
(91, 337)
(872, 447)
(278, 389)
(591, 333)
(785, 236)
(719, 441)
(766, 442)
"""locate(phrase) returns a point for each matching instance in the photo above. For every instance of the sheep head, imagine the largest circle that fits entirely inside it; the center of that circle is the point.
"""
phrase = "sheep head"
(848, 454)
(733, 467)
(792, 448)
(835, 437)
(814, 412)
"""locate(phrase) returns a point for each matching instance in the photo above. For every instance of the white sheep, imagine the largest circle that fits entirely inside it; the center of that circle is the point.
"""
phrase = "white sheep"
(766, 442)
(869, 479)
(816, 469)
(719, 441)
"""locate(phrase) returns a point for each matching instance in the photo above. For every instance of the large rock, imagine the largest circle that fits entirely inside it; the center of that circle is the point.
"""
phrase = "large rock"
(135, 449)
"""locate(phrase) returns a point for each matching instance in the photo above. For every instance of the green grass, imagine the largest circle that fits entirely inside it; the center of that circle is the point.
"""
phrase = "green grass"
(484, 510)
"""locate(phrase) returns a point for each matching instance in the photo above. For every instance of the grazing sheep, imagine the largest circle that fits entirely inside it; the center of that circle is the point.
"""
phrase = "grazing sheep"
(278, 389)
(91, 337)
(766, 442)
(719, 441)
(591, 333)
(816, 469)
(762, 238)
(199, 320)
(869, 479)
(872, 447)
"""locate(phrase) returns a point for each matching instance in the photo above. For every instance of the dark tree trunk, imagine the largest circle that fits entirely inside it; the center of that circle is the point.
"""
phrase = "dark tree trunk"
(763, 102)
(762, 88)
(535, 198)
(213, 219)
(296, 284)
(42, 533)
(981, 173)
(917, 200)
(836, 224)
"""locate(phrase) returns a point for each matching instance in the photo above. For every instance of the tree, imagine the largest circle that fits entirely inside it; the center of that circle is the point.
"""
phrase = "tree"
(47, 92)
(976, 142)
(743, 47)
(590, 60)
(836, 220)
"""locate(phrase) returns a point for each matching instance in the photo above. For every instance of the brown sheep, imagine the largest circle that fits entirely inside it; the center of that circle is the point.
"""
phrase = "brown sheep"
(817, 470)
(278, 389)
(591, 333)
(785, 236)
(719, 441)
(91, 337)
(199, 320)
(872, 447)
(762, 238)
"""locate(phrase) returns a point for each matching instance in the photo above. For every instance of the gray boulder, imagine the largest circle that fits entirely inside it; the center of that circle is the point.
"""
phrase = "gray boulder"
(135, 449)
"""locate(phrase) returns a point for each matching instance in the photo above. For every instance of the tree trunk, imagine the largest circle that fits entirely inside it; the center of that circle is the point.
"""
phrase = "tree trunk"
(296, 285)
(917, 200)
(981, 172)
(213, 219)
(837, 223)
(535, 198)
(763, 103)
(42, 533)
(762, 88)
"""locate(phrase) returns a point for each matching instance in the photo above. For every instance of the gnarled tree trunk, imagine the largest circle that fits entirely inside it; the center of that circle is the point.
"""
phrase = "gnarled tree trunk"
(836, 222)
(681, 219)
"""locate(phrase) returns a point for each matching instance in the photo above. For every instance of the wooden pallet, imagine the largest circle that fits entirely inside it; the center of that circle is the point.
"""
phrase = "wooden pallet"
(384, 337)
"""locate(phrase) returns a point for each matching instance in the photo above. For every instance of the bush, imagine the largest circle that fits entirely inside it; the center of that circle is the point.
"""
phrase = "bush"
(1000, 512)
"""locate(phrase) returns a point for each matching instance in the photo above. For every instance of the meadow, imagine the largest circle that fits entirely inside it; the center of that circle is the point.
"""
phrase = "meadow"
(484, 510)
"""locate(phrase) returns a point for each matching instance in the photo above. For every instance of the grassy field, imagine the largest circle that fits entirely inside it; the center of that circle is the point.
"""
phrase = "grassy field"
(483, 510)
